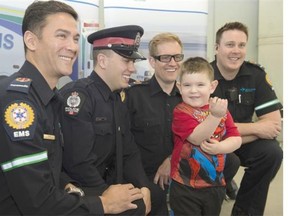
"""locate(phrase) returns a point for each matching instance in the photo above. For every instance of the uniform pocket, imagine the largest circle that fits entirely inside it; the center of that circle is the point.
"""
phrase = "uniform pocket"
(247, 98)
(103, 128)
(147, 129)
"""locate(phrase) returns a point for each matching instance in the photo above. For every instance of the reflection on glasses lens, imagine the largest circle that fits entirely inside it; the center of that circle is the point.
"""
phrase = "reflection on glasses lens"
(167, 58)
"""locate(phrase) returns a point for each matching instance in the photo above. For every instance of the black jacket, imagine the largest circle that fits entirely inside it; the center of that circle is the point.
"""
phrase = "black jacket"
(151, 113)
(99, 147)
(31, 150)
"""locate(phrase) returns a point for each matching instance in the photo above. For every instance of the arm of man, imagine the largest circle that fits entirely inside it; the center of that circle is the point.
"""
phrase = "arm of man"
(34, 183)
(147, 199)
(162, 175)
(133, 168)
(118, 198)
(268, 126)
(80, 157)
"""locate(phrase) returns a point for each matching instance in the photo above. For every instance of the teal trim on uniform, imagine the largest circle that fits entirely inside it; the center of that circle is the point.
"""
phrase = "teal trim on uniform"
(270, 103)
(24, 160)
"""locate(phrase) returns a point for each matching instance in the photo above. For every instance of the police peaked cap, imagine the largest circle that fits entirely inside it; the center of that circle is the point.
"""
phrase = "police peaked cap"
(124, 40)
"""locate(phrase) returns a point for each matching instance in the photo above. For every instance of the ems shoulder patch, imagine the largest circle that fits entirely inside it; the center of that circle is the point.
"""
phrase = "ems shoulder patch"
(74, 102)
(268, 80)
(20, 120)
(20, 84)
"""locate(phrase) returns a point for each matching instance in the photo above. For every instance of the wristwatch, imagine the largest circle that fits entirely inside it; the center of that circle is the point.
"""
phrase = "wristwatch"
(75, 190)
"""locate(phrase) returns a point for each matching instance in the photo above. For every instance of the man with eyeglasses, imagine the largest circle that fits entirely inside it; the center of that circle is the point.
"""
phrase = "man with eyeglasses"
(151, 104)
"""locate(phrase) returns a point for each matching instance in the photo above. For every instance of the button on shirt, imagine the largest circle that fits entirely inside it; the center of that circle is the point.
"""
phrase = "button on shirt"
(151, 114)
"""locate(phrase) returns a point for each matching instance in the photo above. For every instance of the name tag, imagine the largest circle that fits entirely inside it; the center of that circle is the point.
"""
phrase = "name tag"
(49, 137)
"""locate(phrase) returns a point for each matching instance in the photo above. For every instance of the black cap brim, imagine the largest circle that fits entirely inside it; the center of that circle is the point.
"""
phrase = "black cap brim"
(130, 54)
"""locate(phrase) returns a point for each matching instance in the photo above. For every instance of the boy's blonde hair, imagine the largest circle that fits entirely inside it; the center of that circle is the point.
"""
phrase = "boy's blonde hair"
(196, 65)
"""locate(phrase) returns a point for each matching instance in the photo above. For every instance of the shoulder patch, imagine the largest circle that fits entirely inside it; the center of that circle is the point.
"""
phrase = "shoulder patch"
(74, 101)
(20, 84)
(268, 80)
(20, 120)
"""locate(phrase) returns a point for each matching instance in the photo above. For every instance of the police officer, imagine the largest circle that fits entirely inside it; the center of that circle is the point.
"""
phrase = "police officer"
(100, 149)
(248, 90)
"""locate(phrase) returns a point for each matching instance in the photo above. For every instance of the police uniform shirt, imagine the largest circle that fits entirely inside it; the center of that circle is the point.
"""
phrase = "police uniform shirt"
(249, 91)
(31, 149)
(90, 152)
(151, 113)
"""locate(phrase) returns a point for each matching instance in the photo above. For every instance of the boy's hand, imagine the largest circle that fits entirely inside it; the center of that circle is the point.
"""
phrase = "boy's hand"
(218, 107)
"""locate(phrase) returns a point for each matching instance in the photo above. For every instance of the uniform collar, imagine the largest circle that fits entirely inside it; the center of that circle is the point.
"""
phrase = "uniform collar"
(40, 84)
(103, 88)
(155, 88)
(243, 71)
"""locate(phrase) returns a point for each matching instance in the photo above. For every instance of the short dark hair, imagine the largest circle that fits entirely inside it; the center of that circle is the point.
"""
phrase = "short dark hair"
(34, 19)
(231, 26)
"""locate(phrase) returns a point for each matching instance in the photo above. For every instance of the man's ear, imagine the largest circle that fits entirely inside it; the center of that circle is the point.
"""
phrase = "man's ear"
(101, 59)
(214, 85)
(30, 40)
(152, 61)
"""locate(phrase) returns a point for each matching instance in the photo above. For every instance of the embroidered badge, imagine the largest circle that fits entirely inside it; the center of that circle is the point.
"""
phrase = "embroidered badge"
(137, 40)
(23, 79)
(19, 116)
(19, 120)
(73, 103)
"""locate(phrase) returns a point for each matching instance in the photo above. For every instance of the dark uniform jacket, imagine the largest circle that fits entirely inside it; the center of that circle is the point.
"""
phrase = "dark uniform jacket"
(151, 113)
(99, 147)
(249, 91)
(31, 150)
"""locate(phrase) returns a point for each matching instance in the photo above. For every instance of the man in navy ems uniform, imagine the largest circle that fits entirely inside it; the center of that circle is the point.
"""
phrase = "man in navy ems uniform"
(99, 147)
(249, 91)
(31, 146)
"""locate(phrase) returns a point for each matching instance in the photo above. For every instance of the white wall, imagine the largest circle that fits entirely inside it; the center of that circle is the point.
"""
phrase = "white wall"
(223, 11)
(264, 19)
(270, 42)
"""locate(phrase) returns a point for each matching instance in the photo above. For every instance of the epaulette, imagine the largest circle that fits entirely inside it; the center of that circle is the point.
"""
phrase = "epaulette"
(267, 78)
(83, 82)
(256, 64)
(80, 83)
(20, 84)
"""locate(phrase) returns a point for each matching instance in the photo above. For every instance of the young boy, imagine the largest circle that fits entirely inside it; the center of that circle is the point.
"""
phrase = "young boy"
(204, 132)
